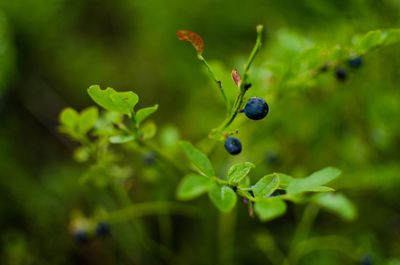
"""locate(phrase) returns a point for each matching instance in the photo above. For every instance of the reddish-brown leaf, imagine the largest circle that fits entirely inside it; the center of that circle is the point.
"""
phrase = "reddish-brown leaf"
(192, 37)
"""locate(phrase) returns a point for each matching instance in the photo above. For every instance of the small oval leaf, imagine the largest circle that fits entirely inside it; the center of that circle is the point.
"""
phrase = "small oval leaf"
(338, 204)
(223, 197)
(87, 119)
(198, 158)
(142, 114)
(313, 181)
(267, 210)
(112, 100)
(69, 117)
(192, 186)
(266, 186)
(239, 171)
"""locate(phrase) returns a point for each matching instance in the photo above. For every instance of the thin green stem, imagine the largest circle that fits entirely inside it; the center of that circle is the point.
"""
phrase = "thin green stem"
(302, 231)
(243, 84)
(216, 80)
(335, 243)
(269, 246)
(306, 222)
(226, 237)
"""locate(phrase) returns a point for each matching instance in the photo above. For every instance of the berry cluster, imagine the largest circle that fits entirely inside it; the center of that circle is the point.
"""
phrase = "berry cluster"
(341, 72)
(255, 109)
(82, 230)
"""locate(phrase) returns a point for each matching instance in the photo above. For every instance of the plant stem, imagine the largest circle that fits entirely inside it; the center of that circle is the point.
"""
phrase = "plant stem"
(216, 80)
(243, 89)
(306, 222)
(226, 237)
(302, 230)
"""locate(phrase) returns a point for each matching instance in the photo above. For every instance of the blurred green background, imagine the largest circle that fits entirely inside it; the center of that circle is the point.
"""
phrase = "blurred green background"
(52, 50)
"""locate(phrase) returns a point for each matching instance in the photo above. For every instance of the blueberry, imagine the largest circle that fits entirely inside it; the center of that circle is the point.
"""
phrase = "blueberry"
(271, 158)
(366, 260)
(278, 193)
(256, 108)
(149, 158)
(341, 74)
(355, 62)
(103, 229)
(80, 236)
(324, 68)
(233, 145)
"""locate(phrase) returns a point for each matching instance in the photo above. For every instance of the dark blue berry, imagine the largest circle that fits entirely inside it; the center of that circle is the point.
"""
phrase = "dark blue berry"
(81, 237)
(341, 74)
(366, 260)
(271, 158)
(103, 229)
(256, 108)
(324, 68)
(149, 158)
(278, 193)
(233, 145)
(355, 62)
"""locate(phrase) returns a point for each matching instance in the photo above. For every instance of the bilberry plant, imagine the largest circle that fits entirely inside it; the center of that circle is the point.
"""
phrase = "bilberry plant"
(121, 124)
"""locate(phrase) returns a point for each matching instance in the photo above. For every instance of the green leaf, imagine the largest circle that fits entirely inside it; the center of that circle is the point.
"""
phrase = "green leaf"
(239, 171)
(338, 204)
(267, 210)
(199, 159)
(393, 36)
(321, 189)
(266, 186)
(69, 117)
(245, 182)
(313, 181)
(87, 119)
(142, 114)
(370, 40)
(169, 136)
(375, 39)
(192, 186)
(284, 180)
(120, 139)
(223, 197)
(148, 130)
(112, 100)
(82, 154)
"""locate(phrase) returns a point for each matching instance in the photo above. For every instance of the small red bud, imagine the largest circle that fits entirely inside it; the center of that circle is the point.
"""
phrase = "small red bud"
(236, 77)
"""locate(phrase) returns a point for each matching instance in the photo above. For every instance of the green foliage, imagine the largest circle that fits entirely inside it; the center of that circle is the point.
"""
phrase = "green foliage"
(375, 39)
(112, 100)
(223, 197)
(77, 124)
(307, 106)
(238, 172)
(199, 159)
(192, 186)
(314, 182)
(269, 209)
(266, 186)
(338, 204)
(142, 114)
